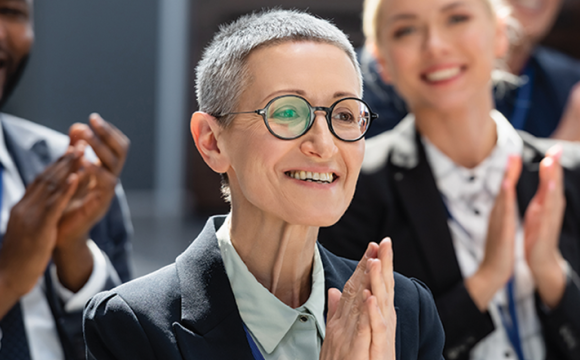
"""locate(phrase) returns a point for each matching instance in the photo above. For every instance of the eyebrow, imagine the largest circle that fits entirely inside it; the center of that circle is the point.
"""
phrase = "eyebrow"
(411, 16)
(338, 94)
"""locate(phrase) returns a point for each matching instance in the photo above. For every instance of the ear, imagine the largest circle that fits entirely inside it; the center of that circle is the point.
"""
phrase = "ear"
(502, 43)
(382, 67)
(206, 132)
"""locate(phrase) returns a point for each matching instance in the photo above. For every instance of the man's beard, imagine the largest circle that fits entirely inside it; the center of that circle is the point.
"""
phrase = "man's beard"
(12, 79)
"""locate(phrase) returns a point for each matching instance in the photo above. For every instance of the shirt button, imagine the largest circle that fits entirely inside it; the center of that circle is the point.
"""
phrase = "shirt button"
(472, 178)
(303, 318)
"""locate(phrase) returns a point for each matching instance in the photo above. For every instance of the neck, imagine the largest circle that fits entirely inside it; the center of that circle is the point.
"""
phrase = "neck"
(279, 255)
(467, 135)
(519, 56)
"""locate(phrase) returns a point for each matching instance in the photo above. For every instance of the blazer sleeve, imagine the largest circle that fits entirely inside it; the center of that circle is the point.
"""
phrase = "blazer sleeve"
(112, 235)
(112, 330)
(432, 336)
(562, 324)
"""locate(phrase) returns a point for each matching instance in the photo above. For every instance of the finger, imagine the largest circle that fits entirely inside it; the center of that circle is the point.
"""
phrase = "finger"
(58, 201)
(380, 338)
(110, 136)
(361, 332)
(352, 287)
(386, 257)
(513, 170)
(550, 174)
(378, 284)
(333, 300)
(53, 177)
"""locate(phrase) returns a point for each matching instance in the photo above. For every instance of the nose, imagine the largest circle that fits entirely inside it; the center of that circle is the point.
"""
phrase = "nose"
(319, 141)
(434, 42)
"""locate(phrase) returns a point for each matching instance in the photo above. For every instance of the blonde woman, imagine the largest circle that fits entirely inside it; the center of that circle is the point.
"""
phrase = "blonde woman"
(474, 208)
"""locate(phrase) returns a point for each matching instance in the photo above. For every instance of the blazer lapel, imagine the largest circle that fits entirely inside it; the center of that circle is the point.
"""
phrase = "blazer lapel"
(529, 178)
(209, 313)
(31, 155)
(424, 206)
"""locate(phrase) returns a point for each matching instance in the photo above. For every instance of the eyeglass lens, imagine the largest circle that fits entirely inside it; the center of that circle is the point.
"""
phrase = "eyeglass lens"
(289, 117)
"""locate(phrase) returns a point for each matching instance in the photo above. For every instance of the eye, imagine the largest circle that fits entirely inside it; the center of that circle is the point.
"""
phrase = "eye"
(285, 114)
(343, 115)
(14, 11)
(403, 31)
(458, 18)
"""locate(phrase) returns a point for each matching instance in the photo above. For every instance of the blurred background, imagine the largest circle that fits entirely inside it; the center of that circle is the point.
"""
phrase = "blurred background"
(133, 62)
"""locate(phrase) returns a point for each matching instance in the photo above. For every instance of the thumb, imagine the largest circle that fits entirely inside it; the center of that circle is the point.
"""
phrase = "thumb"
(333, 300)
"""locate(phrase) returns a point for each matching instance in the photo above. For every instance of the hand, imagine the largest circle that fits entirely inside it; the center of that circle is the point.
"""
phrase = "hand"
(32, 228)
(91, 200)
(362, 320)
(569, 126)
(499, 259)
(542, 226)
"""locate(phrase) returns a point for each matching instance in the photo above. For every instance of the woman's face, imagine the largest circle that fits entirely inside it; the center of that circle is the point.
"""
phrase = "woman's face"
(536, 16)
(261, 166)
(439, 53)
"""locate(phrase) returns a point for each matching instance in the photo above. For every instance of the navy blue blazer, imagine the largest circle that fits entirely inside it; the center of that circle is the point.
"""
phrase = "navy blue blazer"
(33, 147)
(187, 310)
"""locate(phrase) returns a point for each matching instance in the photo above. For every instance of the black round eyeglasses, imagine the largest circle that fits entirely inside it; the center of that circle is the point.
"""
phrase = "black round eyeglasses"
(288, 117)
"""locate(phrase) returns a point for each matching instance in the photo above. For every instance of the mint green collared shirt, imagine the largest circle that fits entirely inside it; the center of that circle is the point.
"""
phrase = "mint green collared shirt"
(279, 331)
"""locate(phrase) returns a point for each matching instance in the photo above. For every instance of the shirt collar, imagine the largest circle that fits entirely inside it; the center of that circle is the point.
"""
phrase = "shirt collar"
(486, 174)
(264, 315)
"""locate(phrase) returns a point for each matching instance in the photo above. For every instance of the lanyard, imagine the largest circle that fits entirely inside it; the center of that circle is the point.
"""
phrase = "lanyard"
(255, 351)
(510, 321)
(523, 100)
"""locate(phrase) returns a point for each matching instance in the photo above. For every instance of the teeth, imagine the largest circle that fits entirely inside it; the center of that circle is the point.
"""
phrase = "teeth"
(310, 176)
(443, 74)
(530, 4)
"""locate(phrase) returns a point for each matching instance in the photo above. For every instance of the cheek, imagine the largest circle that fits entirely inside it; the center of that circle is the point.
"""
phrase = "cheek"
(22, 38)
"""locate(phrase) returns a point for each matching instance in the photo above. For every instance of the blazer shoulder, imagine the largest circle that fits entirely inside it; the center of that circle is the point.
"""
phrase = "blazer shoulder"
(535, 149)
(418, 318)
(27, 132)
(152, 293)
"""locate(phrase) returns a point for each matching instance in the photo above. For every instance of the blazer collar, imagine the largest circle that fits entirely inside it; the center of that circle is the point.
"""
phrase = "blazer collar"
(422, 202)
(29, 151)
(209, 312)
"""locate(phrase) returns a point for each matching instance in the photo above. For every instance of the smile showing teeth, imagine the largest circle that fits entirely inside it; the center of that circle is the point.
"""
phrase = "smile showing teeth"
(442, 74)
(530, 4)
(311, 176)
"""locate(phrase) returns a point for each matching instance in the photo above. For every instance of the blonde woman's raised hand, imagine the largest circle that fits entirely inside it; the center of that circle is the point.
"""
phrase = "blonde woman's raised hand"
(498, 262)
(542, 227)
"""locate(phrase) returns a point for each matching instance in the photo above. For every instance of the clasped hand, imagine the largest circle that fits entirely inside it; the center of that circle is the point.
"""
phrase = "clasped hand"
(57, 211)
(361, 321)
(542, 225)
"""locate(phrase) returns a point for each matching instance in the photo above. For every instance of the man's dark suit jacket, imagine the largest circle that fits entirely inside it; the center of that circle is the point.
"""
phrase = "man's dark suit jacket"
(187, 310)
(397, 196)
(33, 147)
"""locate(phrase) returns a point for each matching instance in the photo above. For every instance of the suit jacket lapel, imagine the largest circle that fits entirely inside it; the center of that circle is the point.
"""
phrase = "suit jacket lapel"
(529, 178)
(209, 313)
(30, 160)
(427, 213)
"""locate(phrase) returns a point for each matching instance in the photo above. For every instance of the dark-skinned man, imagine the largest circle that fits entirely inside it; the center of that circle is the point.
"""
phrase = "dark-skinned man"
(64, 224)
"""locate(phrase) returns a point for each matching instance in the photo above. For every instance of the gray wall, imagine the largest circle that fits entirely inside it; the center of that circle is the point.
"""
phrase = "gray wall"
(96, 56)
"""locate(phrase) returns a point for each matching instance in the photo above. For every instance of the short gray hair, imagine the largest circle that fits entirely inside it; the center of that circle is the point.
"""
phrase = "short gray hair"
(222, 75)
